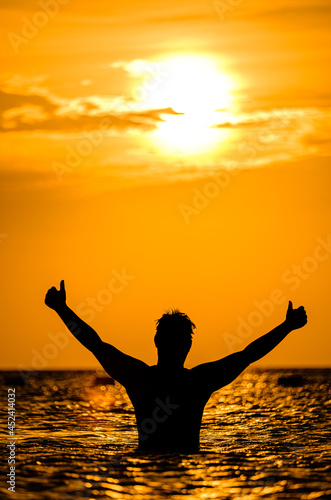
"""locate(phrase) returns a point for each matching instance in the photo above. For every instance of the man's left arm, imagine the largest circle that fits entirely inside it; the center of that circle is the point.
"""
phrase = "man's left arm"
(295, 318)
(219, 373)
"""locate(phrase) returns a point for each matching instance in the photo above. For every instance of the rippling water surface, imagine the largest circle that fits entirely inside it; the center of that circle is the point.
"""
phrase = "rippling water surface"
(259, 439)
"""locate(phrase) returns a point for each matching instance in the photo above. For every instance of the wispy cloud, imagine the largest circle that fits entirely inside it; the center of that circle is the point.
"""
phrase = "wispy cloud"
(34, 112)
(302, 129)
(12, 100)
(313, 12)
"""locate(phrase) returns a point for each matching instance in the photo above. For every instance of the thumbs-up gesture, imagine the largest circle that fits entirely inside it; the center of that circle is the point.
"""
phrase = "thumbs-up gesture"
(296, 318)
(56, 298)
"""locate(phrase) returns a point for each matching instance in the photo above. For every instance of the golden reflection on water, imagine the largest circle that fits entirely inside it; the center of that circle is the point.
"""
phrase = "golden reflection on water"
(258, 440)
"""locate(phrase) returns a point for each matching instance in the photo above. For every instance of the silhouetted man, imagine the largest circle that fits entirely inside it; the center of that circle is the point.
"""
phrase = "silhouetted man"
(169, 399)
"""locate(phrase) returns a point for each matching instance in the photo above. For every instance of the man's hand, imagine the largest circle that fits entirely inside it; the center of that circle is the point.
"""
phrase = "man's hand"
(295, 318)
(54, 298)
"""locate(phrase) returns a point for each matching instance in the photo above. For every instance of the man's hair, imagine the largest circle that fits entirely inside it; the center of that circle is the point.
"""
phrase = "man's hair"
(174, 327)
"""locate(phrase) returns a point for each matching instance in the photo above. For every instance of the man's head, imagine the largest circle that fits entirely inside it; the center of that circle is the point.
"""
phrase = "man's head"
(173, 337)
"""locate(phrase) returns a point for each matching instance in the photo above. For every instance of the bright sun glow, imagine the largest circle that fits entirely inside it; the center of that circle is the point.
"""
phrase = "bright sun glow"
(194, 86)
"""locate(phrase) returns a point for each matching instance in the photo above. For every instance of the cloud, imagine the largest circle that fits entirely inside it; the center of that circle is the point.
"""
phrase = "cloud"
(154, 114)
(319, 136)
(178, 18)
(298, 13)
(136, 67)
(306, 127)
(275, 118)
(9, 100)
(18, 4)
(32, 112)
(240, 124)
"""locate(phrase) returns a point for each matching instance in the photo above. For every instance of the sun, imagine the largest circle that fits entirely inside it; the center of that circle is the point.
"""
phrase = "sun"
(195, 88)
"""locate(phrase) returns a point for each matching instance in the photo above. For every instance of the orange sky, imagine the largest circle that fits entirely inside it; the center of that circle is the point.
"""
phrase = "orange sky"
(184, 145)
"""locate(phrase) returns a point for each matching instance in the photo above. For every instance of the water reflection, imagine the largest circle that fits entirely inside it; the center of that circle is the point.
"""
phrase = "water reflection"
(258, 439)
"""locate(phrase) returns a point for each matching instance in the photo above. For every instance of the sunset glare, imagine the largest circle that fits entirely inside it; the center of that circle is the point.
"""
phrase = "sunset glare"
(197, 91)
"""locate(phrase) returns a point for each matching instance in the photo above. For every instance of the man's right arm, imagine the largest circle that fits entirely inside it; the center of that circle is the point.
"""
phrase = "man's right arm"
(56, 300)
(118, 365)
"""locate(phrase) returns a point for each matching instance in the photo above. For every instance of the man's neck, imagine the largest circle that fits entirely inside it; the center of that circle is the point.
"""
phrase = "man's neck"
(170, 365)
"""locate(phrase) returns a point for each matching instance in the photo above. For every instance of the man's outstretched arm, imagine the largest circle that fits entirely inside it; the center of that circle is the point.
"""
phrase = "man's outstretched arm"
(295, 318)
(118, 365)
(219, 373)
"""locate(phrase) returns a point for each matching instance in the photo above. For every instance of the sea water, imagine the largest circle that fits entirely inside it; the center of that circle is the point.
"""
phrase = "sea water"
(260, 438)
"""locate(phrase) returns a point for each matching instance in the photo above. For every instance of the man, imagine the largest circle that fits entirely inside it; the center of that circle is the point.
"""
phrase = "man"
(169, 399)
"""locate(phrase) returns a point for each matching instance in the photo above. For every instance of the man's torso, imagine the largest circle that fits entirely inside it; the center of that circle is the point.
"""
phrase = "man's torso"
(169, 407)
